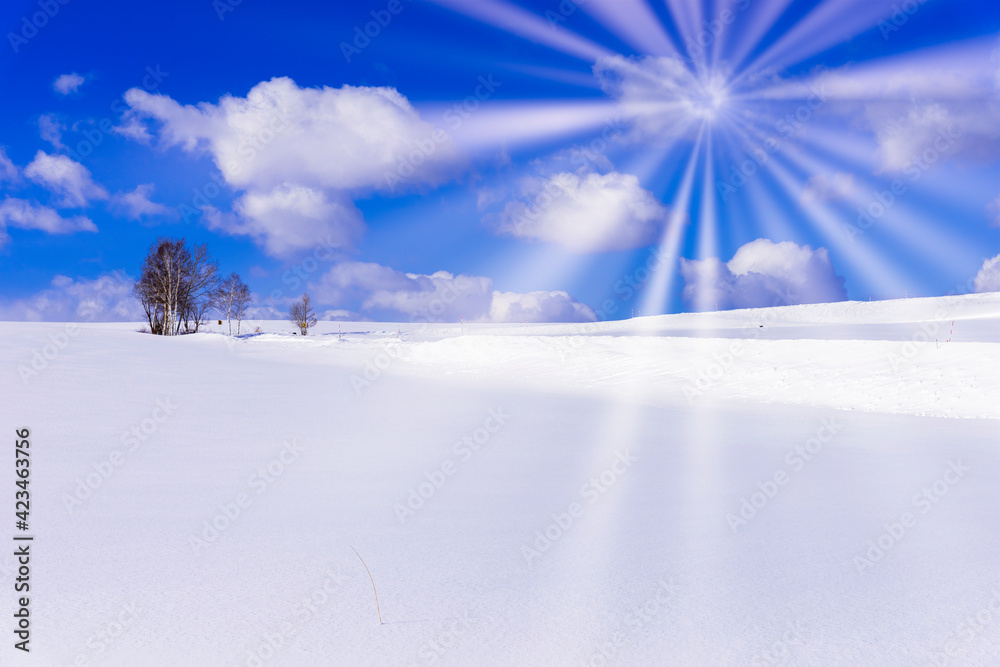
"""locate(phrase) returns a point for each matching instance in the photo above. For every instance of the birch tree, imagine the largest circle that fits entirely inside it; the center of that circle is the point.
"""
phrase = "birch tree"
(174, 284)
(231, 299)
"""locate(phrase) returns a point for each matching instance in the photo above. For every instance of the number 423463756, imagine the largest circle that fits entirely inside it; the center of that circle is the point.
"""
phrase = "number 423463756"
(21, 469)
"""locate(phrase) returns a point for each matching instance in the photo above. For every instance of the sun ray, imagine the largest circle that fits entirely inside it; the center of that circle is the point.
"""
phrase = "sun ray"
(660, 283)
(635, 23)
(518, 123)
(757, 20)
(829, 23)
(902, 220)
(707, 239)
(686, 16)
(876, 270)
(514, 19)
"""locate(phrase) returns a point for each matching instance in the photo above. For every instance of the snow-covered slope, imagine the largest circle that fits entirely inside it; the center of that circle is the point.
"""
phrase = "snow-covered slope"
(628, 493)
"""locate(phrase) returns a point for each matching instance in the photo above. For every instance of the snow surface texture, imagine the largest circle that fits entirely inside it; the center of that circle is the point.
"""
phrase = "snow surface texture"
(677, 490)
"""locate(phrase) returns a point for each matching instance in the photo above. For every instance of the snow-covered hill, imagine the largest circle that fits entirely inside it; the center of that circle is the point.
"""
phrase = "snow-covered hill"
(804, 485)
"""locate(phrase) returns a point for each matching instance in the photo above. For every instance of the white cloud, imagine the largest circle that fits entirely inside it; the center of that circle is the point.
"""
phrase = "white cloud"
(69, 180)
(337, 315)
(585, 212)
(136, 204)
(828, 187)
(538, 307)
(132, 128)
(441, 296)
(343, 138)
(67, 83)
(307, 150)
(988, 278)
(763, 273)
(291, 218)
(50, 129)
(25, 215)
(106, 298)
(8, 170)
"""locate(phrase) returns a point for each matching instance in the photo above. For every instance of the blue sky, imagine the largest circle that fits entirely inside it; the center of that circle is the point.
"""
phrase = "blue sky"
(533, 160)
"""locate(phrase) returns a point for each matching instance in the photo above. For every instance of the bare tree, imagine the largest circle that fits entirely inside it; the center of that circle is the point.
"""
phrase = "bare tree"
(243, 299)
(231, 298)
(302, 315)
(174, 284)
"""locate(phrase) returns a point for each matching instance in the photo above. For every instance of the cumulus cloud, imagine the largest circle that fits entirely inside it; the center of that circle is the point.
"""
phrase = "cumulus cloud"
(67, 83)
(828, 187)
(441, 296)
(763, 273)
(555, 306)
(69, 180)
(344, 138)
(291, 218)
(8, 170)
(134, 129)
(106, 298)
(988, 278)
(307, 150)
(137, 204)
(26, 215)
(585, 212)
